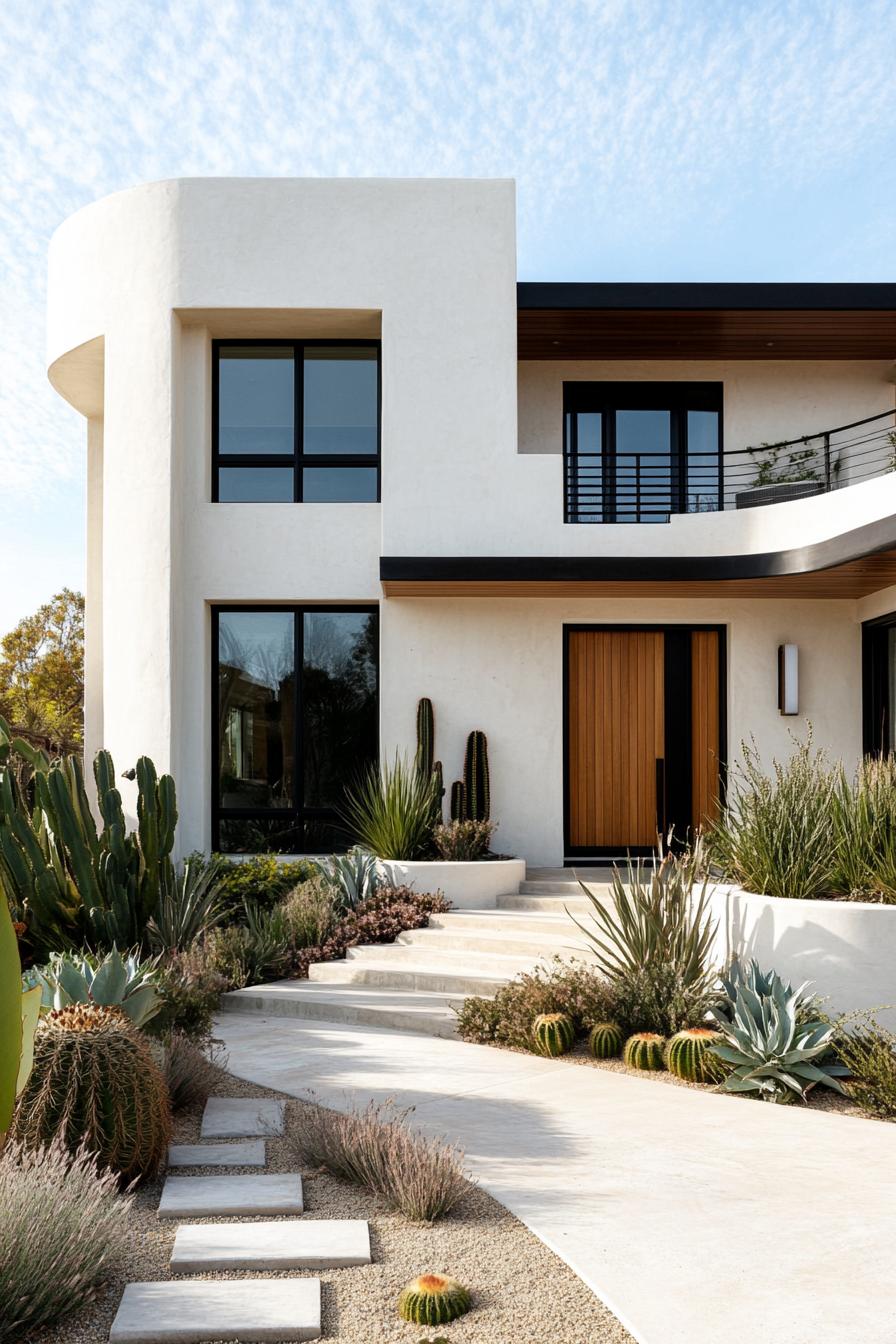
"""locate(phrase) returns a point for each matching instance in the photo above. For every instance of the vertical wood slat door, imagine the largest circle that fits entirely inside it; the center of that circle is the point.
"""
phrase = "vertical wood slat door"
(705, 744)
(615, 734)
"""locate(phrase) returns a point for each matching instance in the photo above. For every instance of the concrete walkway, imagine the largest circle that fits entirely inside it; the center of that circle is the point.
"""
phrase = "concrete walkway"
(695, 1217)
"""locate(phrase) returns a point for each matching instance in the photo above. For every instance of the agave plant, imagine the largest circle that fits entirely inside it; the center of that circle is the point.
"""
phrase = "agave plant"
(189, 906)
(353, 876)
(768, 1043)
(111, 981)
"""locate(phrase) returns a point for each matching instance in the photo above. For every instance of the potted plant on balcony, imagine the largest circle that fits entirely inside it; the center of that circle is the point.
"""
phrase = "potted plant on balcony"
(784, 472)
(396, 814)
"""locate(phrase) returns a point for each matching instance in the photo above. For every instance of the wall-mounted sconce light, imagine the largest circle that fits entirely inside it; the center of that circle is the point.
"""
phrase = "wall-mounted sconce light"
(788, 679)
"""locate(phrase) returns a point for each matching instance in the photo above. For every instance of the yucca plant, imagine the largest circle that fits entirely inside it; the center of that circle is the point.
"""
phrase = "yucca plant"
(654, 945)
(112, 981)
(189, 906)
(391, 810)
(863, 855)
(769, 1048)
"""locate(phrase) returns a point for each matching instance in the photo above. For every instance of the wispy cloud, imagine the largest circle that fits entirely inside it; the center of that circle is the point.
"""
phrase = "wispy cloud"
(648, 138)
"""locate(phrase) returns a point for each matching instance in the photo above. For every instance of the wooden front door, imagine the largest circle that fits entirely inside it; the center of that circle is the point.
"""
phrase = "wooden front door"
(643, 735)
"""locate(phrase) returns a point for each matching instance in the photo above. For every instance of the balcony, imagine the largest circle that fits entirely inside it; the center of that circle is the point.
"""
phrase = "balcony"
(608, 478)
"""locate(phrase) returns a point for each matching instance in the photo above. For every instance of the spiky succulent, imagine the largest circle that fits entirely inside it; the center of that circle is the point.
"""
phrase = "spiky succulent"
(645, 1051)
(689, 1056)
(554, 1034)
(95, 1083)
(110, 981)
(433, 1299)
(767, 1042)
(605, 1040)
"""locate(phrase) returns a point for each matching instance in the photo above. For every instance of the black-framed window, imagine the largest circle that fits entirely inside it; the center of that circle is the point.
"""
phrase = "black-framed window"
(295, 718)
(639, 452)
(879, 685)
(295, 421)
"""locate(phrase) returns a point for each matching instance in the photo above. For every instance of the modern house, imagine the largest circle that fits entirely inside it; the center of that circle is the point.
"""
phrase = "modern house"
(339, 458)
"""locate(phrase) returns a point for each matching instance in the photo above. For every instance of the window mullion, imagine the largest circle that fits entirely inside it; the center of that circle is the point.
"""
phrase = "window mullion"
(298, 724)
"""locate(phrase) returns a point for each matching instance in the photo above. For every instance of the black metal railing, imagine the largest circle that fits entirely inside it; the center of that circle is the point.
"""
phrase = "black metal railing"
(649, 486)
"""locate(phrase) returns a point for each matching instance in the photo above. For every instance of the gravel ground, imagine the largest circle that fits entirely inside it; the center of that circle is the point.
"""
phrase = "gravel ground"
(522, 1293)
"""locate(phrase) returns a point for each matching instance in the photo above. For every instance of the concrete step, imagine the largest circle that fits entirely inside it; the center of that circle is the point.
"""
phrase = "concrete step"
(254, 1311)
(384, 974)
(241, 1117)
(555, 904)
(502, 942)
(549, 924)
(488, 959)
(248, 1154)
(327, 1243)
(231, 1196)
(422, 1012)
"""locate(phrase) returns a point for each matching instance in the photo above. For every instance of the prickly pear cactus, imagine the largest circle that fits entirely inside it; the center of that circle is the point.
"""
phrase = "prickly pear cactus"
(688, 1057)
(645, 1051)
(605, 1040)
(433, 1299)
(554, 1034)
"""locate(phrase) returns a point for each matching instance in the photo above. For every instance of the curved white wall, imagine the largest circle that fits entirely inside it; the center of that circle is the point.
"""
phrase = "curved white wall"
(848, 949)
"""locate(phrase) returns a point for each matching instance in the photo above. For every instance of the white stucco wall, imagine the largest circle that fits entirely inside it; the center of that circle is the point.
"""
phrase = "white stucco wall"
(498, 666)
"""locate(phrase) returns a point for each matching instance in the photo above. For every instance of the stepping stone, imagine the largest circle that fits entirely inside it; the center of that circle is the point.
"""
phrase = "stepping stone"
(252, 1311)
(248, 1154)
(223, 1196)
(322, 1244)
(241, 1117)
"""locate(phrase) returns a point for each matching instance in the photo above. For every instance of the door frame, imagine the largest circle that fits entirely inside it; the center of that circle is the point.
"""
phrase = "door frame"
(677, 688)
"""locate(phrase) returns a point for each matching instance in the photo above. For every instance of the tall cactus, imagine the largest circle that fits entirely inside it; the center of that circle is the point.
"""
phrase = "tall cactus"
(458, 803)
(426, 737)
(476, 781)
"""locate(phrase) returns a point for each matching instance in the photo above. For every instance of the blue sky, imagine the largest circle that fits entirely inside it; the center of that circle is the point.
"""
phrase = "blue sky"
(650, 140)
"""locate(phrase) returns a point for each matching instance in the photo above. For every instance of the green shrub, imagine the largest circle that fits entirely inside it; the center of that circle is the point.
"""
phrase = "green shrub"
(653, 945)
(870, 1056)
(376, 1149)
(95, 1082)
(391, 810)
(63, 1229)
(309, 913)
(189, 907)
(191, 988)
(463, 841)
(262, 880)
(560, 987)
(190, 1070)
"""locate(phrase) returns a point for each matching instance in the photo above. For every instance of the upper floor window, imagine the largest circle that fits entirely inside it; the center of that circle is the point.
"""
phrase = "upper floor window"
(638, 452)
(294, 420)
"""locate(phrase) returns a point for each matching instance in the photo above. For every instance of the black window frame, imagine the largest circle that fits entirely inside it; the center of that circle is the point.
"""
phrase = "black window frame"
(606, 399)
(878, 732)
(298, 814)
(298, 459)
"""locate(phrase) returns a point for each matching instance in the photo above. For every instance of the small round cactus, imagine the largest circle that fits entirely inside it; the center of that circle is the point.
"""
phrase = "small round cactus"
(644, 1050)
(605, 1040)
(688, 1056)
(433, 1299)
(554, 1034)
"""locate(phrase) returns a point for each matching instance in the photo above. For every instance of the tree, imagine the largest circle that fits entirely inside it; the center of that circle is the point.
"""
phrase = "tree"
(42, 673)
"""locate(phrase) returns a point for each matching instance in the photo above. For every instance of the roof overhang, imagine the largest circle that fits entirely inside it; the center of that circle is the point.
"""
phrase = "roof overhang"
(850, 566)
(706, 321)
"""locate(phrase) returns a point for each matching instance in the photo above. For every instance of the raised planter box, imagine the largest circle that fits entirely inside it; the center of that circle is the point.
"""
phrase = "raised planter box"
(467, 886)
(847, 948)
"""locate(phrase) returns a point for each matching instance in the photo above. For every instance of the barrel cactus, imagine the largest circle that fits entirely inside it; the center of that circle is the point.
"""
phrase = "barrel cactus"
(688, 1056)
(554, 1034)
(433, 1299)
(644, 1050)
(605, 1040)
(95, 1082)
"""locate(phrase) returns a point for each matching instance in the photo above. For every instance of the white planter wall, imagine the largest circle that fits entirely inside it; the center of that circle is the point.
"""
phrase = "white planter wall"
(468, 886)
(847, 948)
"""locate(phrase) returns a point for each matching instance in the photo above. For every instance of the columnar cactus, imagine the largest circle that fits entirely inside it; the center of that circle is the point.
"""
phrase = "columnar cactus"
(605, 1040)
(688, 1056)
(95, 1082)
(433, 1299)
(458, 801)
(476, 781)
(554, 1034)
(426, 736)
(644, 1051)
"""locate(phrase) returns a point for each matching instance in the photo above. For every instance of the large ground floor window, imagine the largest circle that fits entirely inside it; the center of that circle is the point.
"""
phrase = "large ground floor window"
(879, 684)
(295, 719)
